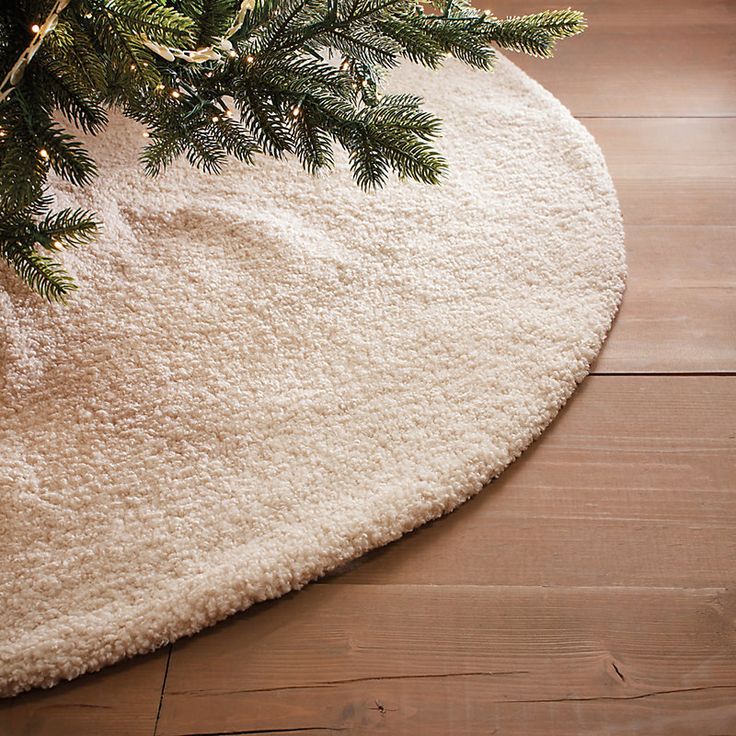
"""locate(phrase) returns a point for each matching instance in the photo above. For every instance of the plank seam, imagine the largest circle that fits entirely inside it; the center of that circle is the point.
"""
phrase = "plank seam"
(673, 374)
(163, 689)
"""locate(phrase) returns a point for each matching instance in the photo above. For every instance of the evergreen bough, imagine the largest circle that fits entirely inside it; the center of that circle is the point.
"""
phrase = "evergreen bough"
(215, 78)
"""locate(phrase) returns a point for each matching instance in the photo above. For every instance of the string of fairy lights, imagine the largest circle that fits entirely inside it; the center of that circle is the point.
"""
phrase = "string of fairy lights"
(196, 56)
(13, 77)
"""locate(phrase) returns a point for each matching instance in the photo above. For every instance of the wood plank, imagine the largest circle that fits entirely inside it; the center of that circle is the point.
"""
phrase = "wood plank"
(633, 484)
(671, 171)
(679, 311)
(118, 701)
(463, 660)
(658, 58)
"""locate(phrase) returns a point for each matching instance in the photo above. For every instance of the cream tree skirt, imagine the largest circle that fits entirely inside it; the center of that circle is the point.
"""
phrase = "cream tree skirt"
(266, 374)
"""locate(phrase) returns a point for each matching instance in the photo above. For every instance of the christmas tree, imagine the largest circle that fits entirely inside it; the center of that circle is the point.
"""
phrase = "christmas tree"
(216, 78)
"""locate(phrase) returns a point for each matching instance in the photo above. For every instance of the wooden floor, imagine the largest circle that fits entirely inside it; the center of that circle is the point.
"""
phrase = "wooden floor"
(592, 589)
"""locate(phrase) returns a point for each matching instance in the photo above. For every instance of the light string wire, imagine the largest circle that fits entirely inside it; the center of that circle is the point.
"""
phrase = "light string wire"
(207, 53)
(13, 77)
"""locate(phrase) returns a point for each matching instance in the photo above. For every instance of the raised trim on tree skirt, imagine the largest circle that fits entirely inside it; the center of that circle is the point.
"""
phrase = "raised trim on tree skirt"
(266, 374)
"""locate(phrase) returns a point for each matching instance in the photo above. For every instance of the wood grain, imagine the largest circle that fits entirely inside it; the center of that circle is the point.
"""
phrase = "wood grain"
(656, 58)
(633, 484)
(463, 660)
(118, 701)
(679, 312)
(671, 171)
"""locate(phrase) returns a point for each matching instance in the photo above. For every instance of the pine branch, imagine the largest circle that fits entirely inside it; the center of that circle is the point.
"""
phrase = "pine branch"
(69, 93)
(536, 34)
(312, 143)
(68, 228)
(67, 156)
(145, 18)
(41, 273)
(271, 86)
(211, 19)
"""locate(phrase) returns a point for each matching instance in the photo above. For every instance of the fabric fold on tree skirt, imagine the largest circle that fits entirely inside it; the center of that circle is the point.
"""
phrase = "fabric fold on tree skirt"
(266, 374)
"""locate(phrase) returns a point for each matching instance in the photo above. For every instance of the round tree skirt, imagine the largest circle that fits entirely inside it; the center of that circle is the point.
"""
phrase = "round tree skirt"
(265, 374)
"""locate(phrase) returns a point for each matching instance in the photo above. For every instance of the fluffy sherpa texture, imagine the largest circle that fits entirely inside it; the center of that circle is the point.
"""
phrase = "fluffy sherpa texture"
(265, 374)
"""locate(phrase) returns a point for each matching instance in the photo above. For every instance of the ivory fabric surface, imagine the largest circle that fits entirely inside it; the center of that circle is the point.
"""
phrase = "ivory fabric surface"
(265, 374)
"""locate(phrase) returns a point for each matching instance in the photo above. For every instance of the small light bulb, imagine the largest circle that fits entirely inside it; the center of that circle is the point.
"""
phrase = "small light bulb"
(35, 28)
(365, 82)
(232, 53)
(215, 119)
(44, 154)
(146, 134)
(57, 244)
(296, 111)
(2, 133)
(159, 86)
(132, 67)
(175, 94)
(250, 58)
